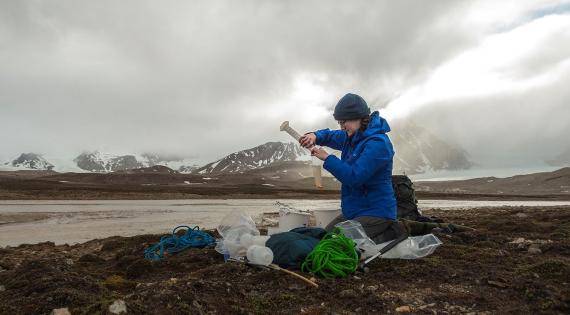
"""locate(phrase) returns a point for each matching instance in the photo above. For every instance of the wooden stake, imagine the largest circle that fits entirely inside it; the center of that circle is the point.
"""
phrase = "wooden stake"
(274, 266)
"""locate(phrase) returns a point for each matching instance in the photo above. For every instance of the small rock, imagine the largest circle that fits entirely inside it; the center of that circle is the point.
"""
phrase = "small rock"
(403, 309)
(173, 280)
(372, 288)
(2, 288)
(534, 249)
(356, 277)
(69, 262)
(118, 307)
(519, 240)
(349, 293)
(60, 311)
(521, 215)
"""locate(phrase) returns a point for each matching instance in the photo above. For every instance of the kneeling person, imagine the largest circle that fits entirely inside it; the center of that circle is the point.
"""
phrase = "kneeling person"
(364, 169)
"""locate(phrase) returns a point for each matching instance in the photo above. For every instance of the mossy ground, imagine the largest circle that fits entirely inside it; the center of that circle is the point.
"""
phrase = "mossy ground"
(478, 271)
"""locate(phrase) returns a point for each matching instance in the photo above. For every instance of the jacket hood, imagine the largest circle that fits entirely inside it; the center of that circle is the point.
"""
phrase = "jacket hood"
(377, 126)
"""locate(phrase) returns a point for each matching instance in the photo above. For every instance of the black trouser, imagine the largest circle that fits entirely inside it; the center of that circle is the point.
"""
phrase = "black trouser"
(380, 230)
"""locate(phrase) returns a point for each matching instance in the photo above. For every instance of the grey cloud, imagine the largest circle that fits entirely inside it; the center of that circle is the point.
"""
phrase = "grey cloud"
(505, 130)
(176, 76)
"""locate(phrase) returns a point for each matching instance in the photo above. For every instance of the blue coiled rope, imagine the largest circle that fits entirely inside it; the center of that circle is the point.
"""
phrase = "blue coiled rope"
(173, 243)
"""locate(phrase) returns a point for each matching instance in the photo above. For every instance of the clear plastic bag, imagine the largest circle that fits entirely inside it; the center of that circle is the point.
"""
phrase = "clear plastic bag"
(233, 220)
(413, 247)
(354, 230)
(233, 228)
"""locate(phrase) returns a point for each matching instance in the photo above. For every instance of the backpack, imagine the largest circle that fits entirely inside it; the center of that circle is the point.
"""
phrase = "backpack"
(406, 197)
(407, 201)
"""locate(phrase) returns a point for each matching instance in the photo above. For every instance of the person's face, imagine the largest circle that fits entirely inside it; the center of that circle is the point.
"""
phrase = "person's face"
(351, 126)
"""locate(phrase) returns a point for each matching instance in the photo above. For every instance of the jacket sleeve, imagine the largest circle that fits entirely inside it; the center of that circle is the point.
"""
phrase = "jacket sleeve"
(376, 154)
(333, 139)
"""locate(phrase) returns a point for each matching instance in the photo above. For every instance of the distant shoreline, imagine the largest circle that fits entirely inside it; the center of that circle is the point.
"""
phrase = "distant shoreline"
(161, 186)
(237, 194)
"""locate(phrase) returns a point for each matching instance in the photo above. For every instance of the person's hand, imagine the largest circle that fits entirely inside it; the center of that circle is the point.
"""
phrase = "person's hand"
(320, 153)
(308, 140)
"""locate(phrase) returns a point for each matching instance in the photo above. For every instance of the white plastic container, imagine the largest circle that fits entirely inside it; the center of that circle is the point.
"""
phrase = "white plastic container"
(290, 220)
(273, 230)
(325, 216)
(259, 255)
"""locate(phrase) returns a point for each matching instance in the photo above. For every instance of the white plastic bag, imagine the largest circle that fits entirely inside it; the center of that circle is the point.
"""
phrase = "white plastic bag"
(232, 228)
(233, 220)
(413, 247)
(354, 230)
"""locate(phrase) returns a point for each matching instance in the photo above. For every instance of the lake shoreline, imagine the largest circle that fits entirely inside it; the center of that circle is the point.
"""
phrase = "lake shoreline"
(236, 194)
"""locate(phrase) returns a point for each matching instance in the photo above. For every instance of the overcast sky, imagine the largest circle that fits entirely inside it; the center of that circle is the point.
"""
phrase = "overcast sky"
(207, 78)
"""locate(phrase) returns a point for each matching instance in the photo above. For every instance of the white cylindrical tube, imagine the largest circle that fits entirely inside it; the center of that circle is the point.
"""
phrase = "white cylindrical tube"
(317, 176)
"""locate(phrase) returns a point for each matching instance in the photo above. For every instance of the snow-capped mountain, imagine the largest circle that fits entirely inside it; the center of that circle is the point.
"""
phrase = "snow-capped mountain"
(179, 164)
(30, 161)
(419, 151)
(104, 162)
(255, 158)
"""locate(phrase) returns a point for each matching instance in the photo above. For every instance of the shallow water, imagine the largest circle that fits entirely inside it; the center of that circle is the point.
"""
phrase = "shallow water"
(75, 221)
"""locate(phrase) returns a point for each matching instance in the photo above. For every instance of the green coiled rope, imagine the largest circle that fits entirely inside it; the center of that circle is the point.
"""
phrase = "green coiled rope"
(334, 256)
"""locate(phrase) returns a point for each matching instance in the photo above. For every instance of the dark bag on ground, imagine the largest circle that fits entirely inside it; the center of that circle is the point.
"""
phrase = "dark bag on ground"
(290, 248)
(406, 197)
(407, 201)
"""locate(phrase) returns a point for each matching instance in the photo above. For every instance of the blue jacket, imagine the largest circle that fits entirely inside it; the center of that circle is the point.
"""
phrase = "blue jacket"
(365, 169)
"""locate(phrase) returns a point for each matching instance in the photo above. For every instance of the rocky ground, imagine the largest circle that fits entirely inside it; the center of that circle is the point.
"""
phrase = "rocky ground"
(516, 262)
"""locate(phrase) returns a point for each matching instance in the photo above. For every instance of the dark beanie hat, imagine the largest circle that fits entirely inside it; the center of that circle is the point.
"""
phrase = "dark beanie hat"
(351, 106)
